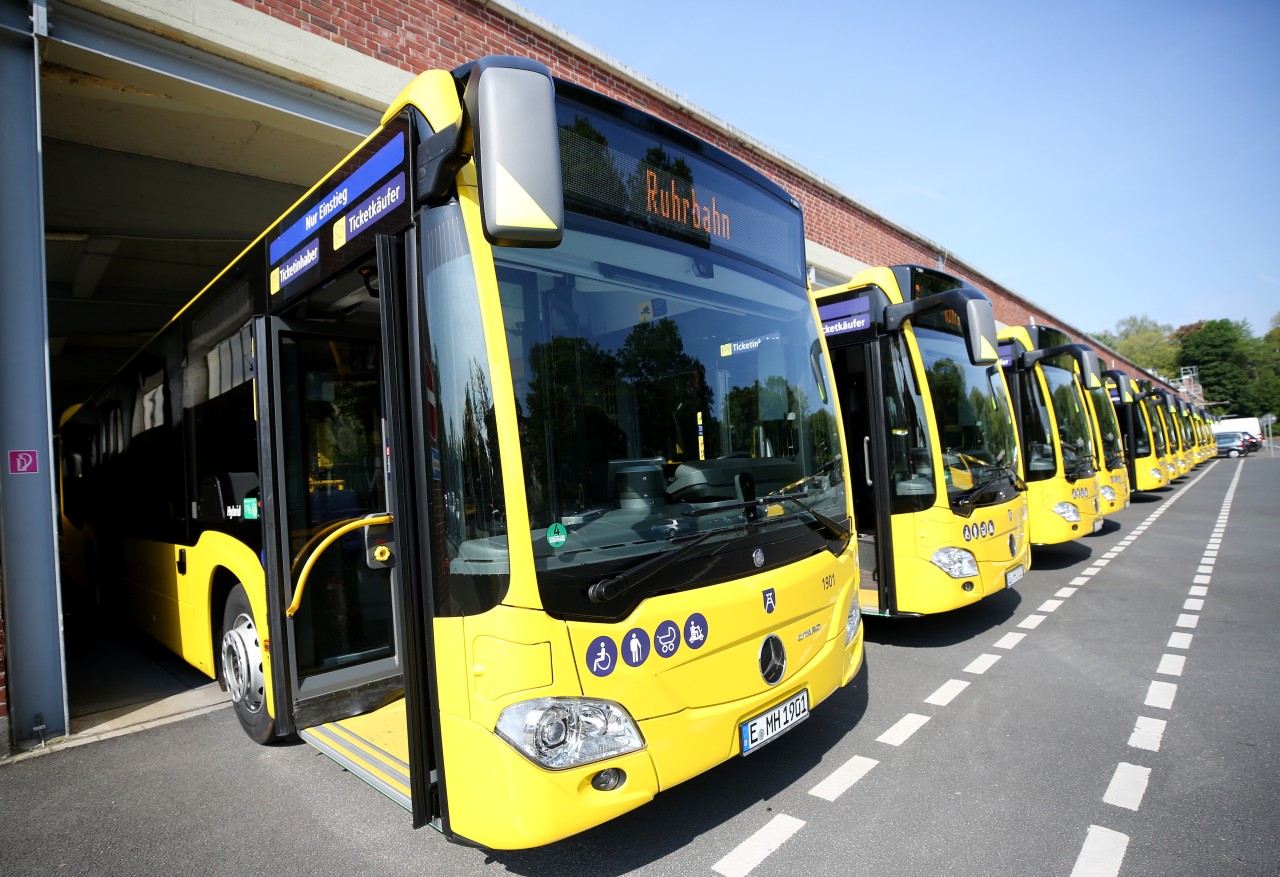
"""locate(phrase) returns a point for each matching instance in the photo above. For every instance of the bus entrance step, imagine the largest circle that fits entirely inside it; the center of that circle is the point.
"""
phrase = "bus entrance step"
(348, 742)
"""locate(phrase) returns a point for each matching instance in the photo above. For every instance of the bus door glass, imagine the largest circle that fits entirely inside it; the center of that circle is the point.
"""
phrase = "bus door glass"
(326, 399)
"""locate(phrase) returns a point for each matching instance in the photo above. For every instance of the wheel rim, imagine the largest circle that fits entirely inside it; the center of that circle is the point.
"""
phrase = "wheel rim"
(242, 663)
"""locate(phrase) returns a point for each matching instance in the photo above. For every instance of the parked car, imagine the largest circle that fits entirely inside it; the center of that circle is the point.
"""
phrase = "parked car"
(1232, 444)
(1251, 440)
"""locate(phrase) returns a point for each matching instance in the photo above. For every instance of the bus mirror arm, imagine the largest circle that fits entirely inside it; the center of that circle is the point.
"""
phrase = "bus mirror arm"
(329, 540)
(976, 314)
(440, 157)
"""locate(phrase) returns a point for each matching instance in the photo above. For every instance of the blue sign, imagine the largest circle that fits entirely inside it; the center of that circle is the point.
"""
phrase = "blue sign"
(383, 162)
(296, 266)
(667, 639)
(602, 656)
(695, 630)
(635, 647)
(770, 600)
(839, 317)
(383, 201)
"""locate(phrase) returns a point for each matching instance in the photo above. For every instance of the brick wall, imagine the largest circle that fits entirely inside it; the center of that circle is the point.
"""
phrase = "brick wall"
(418, 35)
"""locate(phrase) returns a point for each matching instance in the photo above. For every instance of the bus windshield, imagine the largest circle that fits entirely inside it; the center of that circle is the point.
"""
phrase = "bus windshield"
(1157, 426)
(1112, 443)
(1073, 424)
(663, 395)
(973, 416)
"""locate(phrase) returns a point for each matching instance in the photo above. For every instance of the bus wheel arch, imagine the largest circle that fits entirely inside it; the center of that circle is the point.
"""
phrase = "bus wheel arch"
(240, 666)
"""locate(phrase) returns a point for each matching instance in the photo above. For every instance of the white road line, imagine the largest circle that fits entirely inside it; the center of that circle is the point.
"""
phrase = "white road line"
(1161, 694)
(1193, 604)
(1188, 620)
(1065, 592)
(1009, 640)
(981, 664)
(1178, 640)
(1031, 622)
(756, 849)
(947, 692)
(1115, 552)
(1102, 853)
(1198, 591)
(903, 729)
(843, 777)
(1080, 580)
(1202, 580)
(1171, 665)
(1209, 561)
(1091, 571)
(1147, 733)
(1049, 605)
(1204, 570)
(1128, 785)
(1210, 552)
(1102, 561)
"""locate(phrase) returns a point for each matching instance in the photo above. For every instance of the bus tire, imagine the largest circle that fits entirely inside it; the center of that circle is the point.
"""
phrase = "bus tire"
(241, 667)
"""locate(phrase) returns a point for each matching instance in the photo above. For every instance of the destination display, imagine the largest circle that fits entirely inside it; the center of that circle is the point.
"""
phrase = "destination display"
(638, 177)
(337, 224)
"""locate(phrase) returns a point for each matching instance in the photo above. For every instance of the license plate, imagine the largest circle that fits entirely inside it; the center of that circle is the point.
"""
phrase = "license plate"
(770, 725)
(1013, 576)
(1097, 525)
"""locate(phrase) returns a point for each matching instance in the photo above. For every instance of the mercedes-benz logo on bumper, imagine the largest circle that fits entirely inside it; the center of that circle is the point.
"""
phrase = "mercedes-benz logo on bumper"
(773, 659)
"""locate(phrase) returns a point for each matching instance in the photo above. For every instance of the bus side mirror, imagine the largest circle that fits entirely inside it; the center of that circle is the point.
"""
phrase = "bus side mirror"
(511, 116)
(980, 331)
(1090, 369)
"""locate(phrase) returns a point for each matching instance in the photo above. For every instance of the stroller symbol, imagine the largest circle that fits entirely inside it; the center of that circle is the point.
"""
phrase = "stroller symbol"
(667, 636)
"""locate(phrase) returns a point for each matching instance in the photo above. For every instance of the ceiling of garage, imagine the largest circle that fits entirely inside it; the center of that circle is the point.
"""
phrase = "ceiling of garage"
(152, 184)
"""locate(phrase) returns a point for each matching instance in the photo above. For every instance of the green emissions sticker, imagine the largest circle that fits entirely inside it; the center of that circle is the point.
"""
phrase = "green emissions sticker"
(556, 534)
(250, 509)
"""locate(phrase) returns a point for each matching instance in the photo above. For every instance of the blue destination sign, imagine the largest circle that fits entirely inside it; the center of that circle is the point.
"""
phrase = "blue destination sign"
(360, 181)
(851, 315)
(1005, 351)
(747, 344)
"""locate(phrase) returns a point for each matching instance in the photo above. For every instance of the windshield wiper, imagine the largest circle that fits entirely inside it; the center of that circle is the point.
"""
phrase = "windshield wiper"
(830, 525)
(965, 502)
(607, 589)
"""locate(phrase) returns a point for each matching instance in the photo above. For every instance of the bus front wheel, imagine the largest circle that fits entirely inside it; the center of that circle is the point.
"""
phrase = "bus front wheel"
(242, 667)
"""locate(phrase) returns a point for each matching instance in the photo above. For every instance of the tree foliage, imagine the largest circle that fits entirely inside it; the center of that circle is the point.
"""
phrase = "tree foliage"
(1146, 342)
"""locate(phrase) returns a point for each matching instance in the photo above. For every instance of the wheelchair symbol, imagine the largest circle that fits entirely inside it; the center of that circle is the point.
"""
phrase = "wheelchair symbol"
(602, 655)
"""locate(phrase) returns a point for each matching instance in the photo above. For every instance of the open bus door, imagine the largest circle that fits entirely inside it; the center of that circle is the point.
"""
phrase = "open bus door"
(882, 406)
(344, 627)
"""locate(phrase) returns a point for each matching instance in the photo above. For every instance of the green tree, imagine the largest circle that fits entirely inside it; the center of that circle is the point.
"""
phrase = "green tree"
(1142, 340)
(1221, 350)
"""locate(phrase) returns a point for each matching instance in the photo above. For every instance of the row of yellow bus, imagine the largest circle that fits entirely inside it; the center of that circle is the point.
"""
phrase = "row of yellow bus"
(517, 468)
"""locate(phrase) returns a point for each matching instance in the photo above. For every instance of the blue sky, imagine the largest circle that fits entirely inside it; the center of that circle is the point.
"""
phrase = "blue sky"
(1102, 159)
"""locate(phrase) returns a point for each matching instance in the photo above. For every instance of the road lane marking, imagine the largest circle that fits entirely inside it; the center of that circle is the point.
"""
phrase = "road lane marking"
(947, 692)
(1128, 785)
(1102, 853)
(755, 849)
(843, 777)
(1171, 665)
(1161, 694)
(1199, 591)
(1031, 622)
(1194, 604)
(903, 729)
(1009, 640)
(1179, 640)
(981, 664)
(1065, 592)
(1147, 733)
(1188, 620)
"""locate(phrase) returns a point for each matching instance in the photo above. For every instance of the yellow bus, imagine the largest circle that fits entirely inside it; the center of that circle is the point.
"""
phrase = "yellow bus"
(1113, 471)
(1052, 413)
(938, 498)
(1178, 444)
(1153, 404)
(504, 467)
(1143, 445)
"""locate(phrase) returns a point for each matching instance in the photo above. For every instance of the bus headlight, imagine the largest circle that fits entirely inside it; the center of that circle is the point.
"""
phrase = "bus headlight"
(1157, 474)
(955, 562)
(1068, 512)
(563, 732)
(1107, 493)
(851, 623)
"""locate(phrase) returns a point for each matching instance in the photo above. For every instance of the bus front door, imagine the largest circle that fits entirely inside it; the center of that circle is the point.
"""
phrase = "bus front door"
(858, 371)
